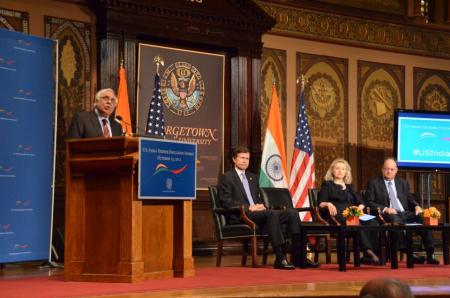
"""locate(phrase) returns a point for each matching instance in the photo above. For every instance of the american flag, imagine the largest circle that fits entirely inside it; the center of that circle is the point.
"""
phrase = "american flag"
(155, 120)
(302, 175)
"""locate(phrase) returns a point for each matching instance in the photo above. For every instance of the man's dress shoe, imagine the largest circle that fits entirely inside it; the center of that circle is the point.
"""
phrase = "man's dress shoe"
(432, 261)
(311, 264)
(283, 264)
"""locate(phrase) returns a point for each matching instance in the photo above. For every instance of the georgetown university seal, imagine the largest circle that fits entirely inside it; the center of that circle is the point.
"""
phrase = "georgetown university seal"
(182, 88)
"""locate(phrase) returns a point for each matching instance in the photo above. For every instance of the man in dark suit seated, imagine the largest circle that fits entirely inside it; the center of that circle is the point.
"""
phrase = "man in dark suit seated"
(391, 196)
(239, 187)
(97, 123)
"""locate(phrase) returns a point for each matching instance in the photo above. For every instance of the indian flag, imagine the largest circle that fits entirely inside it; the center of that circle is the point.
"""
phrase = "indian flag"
(273, 161)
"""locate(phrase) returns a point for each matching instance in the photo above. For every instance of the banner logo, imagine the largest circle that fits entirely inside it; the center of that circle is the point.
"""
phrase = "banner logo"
(7, 64)
(163, 168)
(24, 95)
(182, 88)
(24, 45)
(5, 227)
(6, 171)
(24, 203)
(6, 115)
(24, 150)
(21, 246)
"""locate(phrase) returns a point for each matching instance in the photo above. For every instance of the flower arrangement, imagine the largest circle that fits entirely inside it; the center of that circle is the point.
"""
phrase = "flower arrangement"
(352, 211)
(431, 212)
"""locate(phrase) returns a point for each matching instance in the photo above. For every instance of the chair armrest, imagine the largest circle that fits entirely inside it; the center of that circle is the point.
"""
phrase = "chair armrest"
(277, 207)
(303, 209)
(381, 218)
(245, 218)
(320, 218)
(227, 211)
(333, 219)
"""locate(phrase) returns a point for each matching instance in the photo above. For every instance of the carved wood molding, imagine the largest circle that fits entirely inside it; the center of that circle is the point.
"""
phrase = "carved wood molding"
(14, 20)
(431, 89)
(315, 25)
(234, 26)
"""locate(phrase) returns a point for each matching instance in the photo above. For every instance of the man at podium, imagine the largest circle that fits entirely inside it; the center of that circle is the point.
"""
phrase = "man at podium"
(97, 123)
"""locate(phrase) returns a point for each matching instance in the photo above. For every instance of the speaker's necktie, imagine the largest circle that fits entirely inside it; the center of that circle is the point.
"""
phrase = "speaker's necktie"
(247, 189)
(106, 132)
(394, 200)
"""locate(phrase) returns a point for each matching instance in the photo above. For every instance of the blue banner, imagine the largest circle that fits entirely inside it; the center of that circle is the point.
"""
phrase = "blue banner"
(27, 114)
(167, 169)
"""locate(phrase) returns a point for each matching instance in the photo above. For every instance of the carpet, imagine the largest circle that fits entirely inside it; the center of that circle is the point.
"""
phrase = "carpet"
(43, 287)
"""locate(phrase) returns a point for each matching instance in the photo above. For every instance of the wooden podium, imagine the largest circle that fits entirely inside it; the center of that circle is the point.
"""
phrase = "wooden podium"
(111, 235)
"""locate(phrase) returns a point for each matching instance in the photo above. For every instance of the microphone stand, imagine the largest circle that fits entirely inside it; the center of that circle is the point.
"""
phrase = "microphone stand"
(120, 120)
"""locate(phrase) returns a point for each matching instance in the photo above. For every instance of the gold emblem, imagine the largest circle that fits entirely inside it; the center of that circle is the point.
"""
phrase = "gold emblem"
(323, 92)
(435, 98)
(382, 100)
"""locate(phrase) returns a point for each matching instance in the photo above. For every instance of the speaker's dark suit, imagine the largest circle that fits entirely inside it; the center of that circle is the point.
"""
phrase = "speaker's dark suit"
(232, 194)
(377, 196)
(86, 125)
(341, 199)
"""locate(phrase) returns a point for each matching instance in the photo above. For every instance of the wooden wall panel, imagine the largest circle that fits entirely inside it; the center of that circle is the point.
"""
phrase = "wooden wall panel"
(273, 69)
(74, 77)
(326, 98)
(381, 90)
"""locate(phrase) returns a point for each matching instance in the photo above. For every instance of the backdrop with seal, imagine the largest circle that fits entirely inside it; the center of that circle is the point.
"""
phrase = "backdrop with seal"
(192, 88)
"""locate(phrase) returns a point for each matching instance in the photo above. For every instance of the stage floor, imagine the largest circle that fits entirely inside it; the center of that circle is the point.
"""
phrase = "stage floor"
(341, 284)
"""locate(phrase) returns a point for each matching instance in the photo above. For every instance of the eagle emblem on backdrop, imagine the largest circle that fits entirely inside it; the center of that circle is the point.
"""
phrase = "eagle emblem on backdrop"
(182, 88)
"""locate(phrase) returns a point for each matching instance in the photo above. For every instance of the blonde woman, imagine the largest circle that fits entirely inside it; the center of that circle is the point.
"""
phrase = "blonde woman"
(336, 194)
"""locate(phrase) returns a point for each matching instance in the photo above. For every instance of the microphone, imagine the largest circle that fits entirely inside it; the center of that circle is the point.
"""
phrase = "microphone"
(120, 120)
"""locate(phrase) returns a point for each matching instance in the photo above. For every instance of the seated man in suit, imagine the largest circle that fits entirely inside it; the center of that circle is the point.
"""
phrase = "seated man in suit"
(239, 187)
(391, 196)
(97, 123)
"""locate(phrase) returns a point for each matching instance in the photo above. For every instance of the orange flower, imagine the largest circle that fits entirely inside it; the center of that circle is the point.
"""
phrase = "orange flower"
(431, 212)
(352, 211)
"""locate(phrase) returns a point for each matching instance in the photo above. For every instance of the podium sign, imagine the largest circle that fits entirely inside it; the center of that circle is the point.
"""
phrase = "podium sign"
(167, 169)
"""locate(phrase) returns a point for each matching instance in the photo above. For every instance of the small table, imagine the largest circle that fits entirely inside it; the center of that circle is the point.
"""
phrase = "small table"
(409, 230)
(342, 232)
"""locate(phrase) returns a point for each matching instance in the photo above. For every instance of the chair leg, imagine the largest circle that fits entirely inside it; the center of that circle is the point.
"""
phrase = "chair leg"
(244, 252)
(219, 252)
(316, 249)
(254, 250)
(265, 252)
(316, 253)
(328, 249)
(382, 247)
